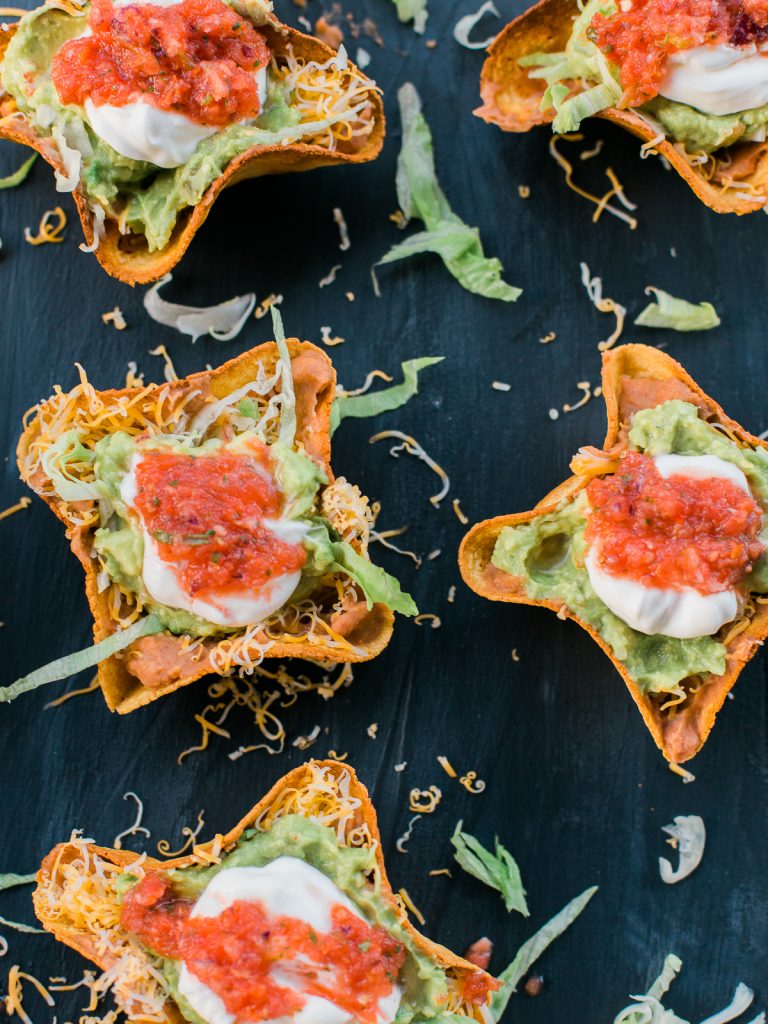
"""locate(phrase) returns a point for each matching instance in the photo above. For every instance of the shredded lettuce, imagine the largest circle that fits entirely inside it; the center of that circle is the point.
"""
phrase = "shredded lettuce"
(677, 314)
(499, 870)
(12, 180)
(376, 402)
(70, 664)
(582, 61)
(288, 408)
(420, 195)
(531, 950)
(223, 321)
(10, 881)
(327, 553)
(413, 10)
(55, 463)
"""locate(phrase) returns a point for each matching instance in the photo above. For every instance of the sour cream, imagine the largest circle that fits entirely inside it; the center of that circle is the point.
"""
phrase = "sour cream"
(718, 79)
(683, 614)
(286, 886)
(141, 131)
(233, 609)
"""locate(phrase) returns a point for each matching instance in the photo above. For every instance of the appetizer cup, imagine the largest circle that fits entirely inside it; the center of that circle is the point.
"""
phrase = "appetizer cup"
(548, 66)
(208, 521)
(145, 176)
(636, 546)
(309, 850)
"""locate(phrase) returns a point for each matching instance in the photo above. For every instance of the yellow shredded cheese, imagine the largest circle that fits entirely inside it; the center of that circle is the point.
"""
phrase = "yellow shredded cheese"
(459, 514)
(424, 801)
(20, 505)
(602, 204)
(471, 783)
(447, 767)
(164, 847)
(407, 903)
(169, 371)
(116, 318)
(412, 447)
(47, 230)
(430, 617)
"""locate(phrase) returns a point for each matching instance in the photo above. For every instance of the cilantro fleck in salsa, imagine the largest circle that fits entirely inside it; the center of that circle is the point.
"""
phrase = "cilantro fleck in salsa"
(197, 58)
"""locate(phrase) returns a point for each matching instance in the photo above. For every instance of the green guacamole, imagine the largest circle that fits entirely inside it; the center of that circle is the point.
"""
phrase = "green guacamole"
(146, 199)
(704, 133)
(548, 553)
(349, 868)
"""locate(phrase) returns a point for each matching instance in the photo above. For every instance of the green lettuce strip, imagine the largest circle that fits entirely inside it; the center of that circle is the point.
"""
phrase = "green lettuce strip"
(420, 195)
(70, 664)
(499, 870)
(387, 399)
(677, 314)
(12, 180)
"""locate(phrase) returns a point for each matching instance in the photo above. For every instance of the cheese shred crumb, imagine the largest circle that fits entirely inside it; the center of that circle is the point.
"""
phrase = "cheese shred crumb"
(447, 767)
(328, 340)
(136, 827)
(459, 514)
(500, 385)
(400, 843)
(15, 999)
(90, 688)
(430, 617)
(20, 505)
(264, 307)
(412, 447)
(116, 318)
(408, 903)
(344, 242)
(471, 783)
(594, 287)
(602, 204)
(169, 371)
(164, 847)
(424, 801)
(440, 871)
(47, 230)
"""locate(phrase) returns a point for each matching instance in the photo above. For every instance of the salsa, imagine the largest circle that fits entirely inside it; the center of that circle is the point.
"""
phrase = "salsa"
(675, 533)
(353, 965)
(639, 40)
(207, 516)
(196, 58)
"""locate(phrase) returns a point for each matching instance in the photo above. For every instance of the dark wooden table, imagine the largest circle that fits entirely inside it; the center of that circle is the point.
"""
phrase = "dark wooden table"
(575, 787)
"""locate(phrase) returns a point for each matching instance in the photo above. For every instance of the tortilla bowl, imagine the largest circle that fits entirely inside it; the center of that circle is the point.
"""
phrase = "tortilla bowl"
(511, 99)
(127, 257)
(156, 665)
(634, 377)
(326, 790)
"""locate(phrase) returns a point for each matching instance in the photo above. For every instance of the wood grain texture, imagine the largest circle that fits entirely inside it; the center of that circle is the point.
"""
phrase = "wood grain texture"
(575, 786)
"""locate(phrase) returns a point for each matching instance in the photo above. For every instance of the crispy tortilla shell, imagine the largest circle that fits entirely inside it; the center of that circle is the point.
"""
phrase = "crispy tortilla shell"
(160, 664)
(297, 779)
(511, 100)
(634, 377)
(127, 257)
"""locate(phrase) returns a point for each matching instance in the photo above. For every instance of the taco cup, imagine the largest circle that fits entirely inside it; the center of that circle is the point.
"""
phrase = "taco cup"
(694, 88)
(631, 546)
(150, 134)
(310, 849)
(205, 511)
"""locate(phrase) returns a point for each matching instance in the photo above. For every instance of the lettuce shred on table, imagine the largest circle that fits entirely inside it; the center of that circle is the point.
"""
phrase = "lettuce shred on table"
(420, 195)
(677, 314)
(387, 399)
(498, 870)
(413, 10)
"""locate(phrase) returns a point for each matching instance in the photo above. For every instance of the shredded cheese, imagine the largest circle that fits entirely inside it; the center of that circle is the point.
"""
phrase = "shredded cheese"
(328, 340)
(330, 277)
(452, 593)
(594, 287)
(264, 307)
(344, 242)
(524, 191)
(459, 514)
(407, 904)
(412, 447)
(424, 801)
(164, 847)
(602, 204)
(440, 871)
(547, 338)
(430, 617)
(15, 998)
(471, 783)
(136, 827)
(20, 505)
(90, 688)
(170, 370)
(48, 231)
(400, 843)
(116, 318)
(500, 385)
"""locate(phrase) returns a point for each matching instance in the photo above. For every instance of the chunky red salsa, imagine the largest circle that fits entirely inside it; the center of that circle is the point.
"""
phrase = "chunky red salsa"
(196, 58)
(354, 965)
(640, 39)
(206, 514)
(677, 532)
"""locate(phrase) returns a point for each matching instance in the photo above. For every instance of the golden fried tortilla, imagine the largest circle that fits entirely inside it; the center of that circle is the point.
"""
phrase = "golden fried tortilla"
(99, 936)
(733, 180)
(159, 664)
(127, 257)
(634, 377)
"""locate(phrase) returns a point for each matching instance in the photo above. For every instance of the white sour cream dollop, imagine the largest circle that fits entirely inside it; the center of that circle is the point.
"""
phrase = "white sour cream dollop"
(286, 886)
(718, 79)
(141, 131)
(233, 609)
(683, 614)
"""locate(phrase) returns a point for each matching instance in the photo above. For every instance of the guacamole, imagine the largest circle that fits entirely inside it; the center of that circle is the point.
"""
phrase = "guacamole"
(424, 984)
(548, 553)
(144, 199)
(704, 133)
